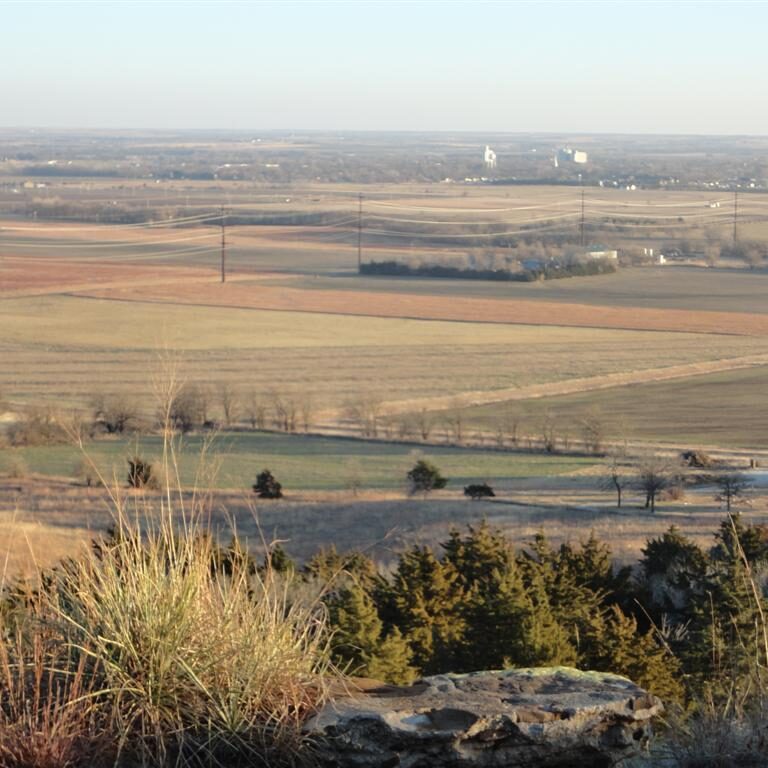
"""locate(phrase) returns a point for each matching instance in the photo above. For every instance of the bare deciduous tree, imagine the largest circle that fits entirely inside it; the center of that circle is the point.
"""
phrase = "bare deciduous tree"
(284, 410)
(549, 432)
(188, 408)
(424, 424)
(116, 413)
(229, 399)
(307, 411)
(653, 477)
(255, 410)
(366, 413)
(617, 478)
(593, 432)
(732, 487)
(455, 426)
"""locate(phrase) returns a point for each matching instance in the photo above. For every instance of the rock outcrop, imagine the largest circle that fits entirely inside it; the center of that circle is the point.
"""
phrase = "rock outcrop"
(542, 718)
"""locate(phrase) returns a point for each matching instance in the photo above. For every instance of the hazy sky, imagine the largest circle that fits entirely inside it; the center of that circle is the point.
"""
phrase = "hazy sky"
(671, 67)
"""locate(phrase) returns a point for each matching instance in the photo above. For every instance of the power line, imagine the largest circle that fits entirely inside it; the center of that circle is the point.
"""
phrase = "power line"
(735, 214)
(110, 227)
(359, 231)
(223, 248)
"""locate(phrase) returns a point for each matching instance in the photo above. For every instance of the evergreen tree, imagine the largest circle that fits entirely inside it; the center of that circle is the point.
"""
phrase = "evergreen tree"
(327, 565)
(620, 648)
(425, 477)
(359, 642)
(266, 487)
(673, 572)
(425, 598)
(571, 579)
(279, 560)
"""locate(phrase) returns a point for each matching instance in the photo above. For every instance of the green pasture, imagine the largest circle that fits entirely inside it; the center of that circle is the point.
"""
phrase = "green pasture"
(300, 462)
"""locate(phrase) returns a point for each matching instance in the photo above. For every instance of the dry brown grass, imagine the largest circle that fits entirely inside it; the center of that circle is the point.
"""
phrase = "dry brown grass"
(58, 518)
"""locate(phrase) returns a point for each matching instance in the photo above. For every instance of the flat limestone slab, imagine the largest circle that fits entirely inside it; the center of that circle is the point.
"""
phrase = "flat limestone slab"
(549, 717)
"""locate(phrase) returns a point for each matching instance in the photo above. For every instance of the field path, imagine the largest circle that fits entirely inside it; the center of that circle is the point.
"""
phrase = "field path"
(568, 387)
(253, 293)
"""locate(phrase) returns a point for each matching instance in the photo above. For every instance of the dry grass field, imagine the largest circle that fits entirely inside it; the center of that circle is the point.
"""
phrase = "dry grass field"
(257, 295)
(43, 521)
(728, 409)
(66, 349)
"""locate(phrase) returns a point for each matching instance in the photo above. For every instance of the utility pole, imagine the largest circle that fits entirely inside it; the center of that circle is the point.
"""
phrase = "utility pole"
(735, 214)
(359, 231)
(581, 227)
(223, 248)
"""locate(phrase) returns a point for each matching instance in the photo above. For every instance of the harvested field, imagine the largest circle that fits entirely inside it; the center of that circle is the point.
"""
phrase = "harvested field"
(667, 287)
(530, 312)
(64, 349)
(720, 409)
(579, 386)
(31, 276)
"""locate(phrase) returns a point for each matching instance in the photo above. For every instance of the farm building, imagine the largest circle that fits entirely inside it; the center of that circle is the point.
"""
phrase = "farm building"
(598, 252)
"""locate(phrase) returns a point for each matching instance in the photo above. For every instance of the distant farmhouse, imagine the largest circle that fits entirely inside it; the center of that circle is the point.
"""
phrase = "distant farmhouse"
(598, 252)
(489, 158)
(567, 155)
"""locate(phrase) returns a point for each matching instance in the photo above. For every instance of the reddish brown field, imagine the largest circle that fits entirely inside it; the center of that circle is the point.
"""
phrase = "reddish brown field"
(30, 276)
(247, 295)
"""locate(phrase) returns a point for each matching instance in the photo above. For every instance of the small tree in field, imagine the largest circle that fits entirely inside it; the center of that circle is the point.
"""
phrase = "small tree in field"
(616, 478)
(732, 487)
(266, 487)
(479, 491)
(653, 478)
(425, 477)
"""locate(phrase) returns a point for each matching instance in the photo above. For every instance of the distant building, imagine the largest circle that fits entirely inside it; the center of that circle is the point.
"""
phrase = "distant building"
(489, 158)
(568, 155)
(602, 253)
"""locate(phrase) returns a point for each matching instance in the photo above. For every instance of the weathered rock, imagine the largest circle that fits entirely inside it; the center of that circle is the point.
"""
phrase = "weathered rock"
(546, 717)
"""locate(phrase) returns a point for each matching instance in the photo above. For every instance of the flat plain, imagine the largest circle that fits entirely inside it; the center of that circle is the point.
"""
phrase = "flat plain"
(91, 310)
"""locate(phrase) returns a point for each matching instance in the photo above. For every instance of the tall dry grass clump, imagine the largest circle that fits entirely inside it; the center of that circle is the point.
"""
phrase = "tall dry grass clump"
(150, 650)
(47, 715)
(196, 666)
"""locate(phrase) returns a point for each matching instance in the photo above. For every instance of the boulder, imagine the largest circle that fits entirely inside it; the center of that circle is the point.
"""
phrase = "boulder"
(542, 717)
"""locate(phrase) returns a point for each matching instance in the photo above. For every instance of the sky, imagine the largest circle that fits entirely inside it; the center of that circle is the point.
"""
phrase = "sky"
(608, 67)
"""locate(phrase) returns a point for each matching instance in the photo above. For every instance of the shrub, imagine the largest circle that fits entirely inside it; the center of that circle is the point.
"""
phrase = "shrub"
(697, 458)
(86, 473)
(140, 473)
(425, 477)
(115, 414)
(38, 426)
(479, 491)
(266, 487)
